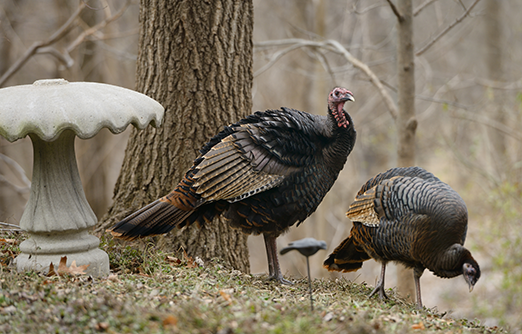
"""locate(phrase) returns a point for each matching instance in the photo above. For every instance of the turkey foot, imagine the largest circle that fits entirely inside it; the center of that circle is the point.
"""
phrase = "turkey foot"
(380, 284)
(274, 271)
(280, 279)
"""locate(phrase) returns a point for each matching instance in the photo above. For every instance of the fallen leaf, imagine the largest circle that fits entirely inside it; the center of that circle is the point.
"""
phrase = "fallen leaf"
(172, 259)
(51, 270)
(64, 270)
(420, 326)
(170, 320)
(74, 270)
(113, 278)
(62, 266)
(190, 261)
(329, 316)
(225, 296)
(101, 326)
(8, 241)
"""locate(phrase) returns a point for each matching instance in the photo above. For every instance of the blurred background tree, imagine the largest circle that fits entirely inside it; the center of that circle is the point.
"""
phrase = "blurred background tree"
(468, 102)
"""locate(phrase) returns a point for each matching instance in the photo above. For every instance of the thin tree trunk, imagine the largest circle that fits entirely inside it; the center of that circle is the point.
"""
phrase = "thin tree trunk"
(406, 121)
(195, 58)
(494, 43)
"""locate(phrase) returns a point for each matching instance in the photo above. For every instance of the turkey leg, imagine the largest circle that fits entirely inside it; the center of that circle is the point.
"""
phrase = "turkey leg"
(416, 278)
(380, 284)
(274, 271)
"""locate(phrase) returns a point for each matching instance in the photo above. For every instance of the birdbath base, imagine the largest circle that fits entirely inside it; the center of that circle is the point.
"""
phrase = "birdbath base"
(42, 249)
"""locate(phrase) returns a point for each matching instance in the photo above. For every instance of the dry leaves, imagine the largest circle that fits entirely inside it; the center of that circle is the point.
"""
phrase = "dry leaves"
(8, 241)
(6, 255)
(64, 270)
(419, 325)
(190, 261)
(170, 320)
(226, 295)
(173, 260)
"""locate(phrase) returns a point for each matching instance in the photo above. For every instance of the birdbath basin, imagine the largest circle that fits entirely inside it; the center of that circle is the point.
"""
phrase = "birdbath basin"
(53, 113)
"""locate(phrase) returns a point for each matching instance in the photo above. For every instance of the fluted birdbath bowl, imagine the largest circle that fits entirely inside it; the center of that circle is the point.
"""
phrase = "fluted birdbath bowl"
(52, 113)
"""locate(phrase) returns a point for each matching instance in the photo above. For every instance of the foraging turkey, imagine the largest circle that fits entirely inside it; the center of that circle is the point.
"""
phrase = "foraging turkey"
(264, 174)
(409, 216)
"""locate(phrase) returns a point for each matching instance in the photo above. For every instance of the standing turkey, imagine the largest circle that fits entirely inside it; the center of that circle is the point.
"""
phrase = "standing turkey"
(409, 216)
(264, 174)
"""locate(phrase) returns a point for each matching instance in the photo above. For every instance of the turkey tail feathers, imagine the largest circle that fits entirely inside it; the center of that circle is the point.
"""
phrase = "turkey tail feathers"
(156, 218)
(346, 257)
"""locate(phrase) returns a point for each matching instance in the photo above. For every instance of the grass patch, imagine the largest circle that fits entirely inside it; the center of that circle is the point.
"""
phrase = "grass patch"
(152, 292)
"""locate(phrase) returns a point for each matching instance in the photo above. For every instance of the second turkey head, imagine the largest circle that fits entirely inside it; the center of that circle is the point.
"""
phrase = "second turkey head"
(336, 100)
(471, 273)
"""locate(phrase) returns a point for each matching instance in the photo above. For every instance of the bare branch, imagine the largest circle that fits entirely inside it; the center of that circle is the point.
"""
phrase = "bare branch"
(422, 6)
(365, 10)
(499, 85)
(275, 57)
(448, 28)
(42, 46)
(17, 168)
(492, 124)
(97, 27)
(396, 11)
(18, 189)
(64, 57)
(33, 49)
(333, 46)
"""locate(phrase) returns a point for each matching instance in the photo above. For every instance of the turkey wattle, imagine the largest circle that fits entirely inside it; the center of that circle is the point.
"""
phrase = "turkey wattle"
(409, 216)
(264, 174)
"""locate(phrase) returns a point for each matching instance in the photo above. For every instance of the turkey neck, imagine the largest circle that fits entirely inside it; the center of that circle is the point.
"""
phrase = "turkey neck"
(341, 143)
(450, 263)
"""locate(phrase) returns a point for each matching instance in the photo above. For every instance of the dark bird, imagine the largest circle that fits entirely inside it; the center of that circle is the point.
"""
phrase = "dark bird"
(409, 216)
(264, 174)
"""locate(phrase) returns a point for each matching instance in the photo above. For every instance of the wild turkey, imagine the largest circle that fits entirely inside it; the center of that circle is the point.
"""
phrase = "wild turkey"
(264, 174)
(409, 216)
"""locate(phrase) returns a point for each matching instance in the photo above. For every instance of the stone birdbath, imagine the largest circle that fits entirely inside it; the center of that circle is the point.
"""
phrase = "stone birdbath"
(52, 113)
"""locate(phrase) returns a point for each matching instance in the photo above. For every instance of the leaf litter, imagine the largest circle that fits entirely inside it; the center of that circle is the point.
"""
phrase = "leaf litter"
(181, 296)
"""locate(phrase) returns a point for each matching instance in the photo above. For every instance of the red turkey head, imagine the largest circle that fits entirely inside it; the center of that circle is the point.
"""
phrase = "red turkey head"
(336, 100)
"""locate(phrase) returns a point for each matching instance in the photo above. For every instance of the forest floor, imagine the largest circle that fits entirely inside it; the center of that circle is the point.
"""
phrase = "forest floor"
(153, 292)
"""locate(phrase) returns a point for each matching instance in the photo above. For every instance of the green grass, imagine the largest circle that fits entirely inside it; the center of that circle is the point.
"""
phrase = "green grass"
(150, 294)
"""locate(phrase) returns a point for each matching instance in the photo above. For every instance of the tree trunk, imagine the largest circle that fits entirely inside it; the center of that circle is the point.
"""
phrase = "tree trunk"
(494, 44)
(195, 58)
(406, 121)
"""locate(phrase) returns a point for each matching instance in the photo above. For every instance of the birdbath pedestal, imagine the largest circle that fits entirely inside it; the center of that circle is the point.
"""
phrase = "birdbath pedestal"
(52, 113)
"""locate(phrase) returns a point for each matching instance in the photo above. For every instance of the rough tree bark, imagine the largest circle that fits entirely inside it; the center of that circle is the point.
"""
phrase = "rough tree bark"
(406, 121)
(195, 58)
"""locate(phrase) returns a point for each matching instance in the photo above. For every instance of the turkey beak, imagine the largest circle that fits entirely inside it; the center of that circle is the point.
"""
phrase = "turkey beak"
(348, 97)
(471, 284)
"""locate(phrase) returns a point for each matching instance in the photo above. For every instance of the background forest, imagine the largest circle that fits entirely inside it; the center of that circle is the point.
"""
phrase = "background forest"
(468, 102)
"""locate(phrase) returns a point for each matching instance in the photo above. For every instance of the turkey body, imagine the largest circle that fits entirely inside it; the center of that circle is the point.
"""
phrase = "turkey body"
(264, 173)
(409, 216)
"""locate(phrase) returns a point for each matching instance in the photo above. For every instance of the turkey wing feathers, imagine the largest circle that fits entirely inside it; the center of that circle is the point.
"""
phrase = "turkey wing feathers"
(254, 155)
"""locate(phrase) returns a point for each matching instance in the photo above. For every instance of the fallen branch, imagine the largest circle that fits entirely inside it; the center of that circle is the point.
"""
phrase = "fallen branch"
(11, 227)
